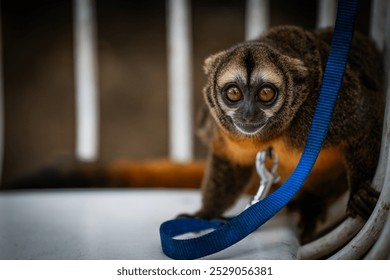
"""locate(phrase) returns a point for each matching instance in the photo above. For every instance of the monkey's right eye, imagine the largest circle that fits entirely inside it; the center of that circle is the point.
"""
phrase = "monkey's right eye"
(233, 94)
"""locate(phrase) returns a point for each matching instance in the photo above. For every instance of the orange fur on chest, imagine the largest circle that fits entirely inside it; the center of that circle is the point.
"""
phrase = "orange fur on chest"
(330, 161)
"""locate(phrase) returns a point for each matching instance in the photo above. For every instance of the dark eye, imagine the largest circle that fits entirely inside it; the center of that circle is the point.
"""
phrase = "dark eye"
(233, 94)
(266, 94)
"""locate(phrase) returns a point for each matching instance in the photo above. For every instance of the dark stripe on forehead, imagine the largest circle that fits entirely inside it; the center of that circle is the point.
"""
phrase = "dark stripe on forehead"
(249, 64)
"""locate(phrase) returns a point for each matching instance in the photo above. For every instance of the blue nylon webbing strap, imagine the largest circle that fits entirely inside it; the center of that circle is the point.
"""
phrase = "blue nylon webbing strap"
(227, 234)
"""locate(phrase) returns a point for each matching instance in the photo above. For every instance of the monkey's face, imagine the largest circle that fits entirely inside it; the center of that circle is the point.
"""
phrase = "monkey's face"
(254, 91)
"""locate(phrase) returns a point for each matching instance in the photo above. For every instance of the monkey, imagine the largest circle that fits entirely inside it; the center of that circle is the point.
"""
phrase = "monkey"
(262, 93)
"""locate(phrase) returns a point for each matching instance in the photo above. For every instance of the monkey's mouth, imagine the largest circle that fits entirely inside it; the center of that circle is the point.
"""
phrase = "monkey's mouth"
(248, 128)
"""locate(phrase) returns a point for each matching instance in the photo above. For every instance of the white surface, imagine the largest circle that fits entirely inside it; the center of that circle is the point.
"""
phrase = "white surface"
(115, 224)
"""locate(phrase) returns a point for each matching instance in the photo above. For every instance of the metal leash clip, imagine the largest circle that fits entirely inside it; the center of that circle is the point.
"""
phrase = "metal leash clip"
(267, 177)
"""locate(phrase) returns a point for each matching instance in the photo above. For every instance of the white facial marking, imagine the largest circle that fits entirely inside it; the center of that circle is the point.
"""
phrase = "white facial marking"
(231, 75)
(271, 76)
(246, 132)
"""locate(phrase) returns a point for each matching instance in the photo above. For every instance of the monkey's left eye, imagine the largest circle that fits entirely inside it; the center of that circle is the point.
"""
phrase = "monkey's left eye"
(266, 94)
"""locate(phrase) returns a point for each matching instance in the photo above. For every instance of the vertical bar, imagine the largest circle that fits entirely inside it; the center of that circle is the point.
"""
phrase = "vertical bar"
(256, 18)
(378, 20)
(326, 13)
(386, 47)
(179, 80)
(2, 115)
(86, 80)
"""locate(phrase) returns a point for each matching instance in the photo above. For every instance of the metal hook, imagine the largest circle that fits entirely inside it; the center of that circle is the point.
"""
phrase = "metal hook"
(267, 177)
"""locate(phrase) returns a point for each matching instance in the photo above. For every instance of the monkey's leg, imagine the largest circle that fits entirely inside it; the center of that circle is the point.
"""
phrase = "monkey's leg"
(312, 203)
(362, 162)
(311, 208)
(224, 181)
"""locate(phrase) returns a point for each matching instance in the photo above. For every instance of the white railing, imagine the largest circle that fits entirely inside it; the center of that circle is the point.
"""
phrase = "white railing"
(378, 21)
(87, 105)
(179, 41)
(256, 18)
(1, 101)
(326, 13)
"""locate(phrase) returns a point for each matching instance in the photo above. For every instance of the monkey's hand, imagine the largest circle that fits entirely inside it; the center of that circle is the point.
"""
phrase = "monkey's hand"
(201, 215)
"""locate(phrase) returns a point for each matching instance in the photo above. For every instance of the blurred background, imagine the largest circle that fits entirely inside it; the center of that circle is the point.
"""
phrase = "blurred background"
(38, 73)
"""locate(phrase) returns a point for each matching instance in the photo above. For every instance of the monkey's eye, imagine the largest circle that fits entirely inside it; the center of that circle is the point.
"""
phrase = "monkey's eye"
(233, 94)
(266, 94)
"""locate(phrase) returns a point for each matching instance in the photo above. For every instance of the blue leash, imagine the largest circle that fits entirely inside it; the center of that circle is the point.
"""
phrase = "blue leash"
(227, 234)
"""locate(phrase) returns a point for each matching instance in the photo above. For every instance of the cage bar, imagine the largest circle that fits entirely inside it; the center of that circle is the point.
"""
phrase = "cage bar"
(326, 14)
(256, 18)
(87, 115)
(179, 80)
(377, 21)
(2, 116)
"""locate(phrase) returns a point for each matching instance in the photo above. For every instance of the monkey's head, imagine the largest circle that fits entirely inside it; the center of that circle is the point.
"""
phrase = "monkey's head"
(253, 90)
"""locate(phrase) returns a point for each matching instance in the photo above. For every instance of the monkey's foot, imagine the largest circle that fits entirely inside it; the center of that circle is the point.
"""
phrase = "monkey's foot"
(362, 202)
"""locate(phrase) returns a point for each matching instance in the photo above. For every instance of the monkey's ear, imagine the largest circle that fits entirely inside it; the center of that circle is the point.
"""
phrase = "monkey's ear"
(297, 66)
(210, 62)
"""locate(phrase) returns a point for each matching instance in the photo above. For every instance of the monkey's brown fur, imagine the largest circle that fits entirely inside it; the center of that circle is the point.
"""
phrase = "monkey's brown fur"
(293, 59)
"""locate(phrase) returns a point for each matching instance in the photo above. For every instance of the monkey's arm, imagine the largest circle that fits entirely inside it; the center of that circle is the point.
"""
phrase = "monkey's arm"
(223, 182)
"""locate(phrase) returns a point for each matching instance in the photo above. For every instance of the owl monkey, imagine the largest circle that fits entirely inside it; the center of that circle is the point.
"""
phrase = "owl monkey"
(263, 93)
